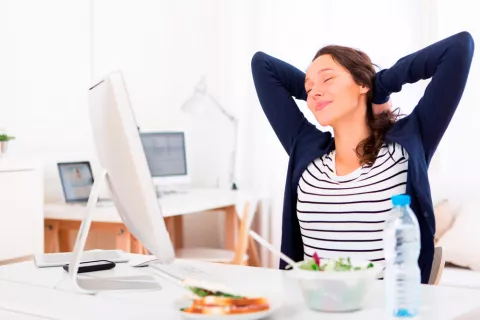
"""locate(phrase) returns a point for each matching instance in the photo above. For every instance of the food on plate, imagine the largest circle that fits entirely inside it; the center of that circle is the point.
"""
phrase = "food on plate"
(221, 305)
(340, 264)
(201, 292)
(207, 288)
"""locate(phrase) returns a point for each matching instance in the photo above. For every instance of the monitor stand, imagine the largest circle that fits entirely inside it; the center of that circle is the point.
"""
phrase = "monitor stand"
(89, 283)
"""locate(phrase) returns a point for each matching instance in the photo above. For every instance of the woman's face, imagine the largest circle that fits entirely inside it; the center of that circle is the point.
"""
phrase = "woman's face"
(332, 94)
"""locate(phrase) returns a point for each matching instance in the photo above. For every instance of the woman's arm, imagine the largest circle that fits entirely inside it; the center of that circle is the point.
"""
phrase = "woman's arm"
(277, 82)
(447, 62)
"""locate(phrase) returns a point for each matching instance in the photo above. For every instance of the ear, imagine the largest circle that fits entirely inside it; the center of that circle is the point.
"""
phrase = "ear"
(364, 89)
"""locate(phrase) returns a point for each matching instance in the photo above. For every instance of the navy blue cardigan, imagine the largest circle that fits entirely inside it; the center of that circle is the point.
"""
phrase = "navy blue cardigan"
(446, 62)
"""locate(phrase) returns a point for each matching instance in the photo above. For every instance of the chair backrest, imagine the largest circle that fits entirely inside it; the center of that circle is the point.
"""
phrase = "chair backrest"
(437, 266)
(246, 219)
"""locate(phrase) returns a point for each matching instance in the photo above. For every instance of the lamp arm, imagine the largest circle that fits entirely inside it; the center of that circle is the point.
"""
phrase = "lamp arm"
(222, 109)
(234, 121)
(234, 154)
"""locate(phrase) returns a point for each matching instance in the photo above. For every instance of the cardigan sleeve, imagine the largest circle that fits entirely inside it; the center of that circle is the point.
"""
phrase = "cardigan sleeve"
(277, 83)
(447, 62)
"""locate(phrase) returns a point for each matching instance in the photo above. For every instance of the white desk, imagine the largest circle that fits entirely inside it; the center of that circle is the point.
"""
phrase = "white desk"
(13, 315)
(61, 217)
(30, 290)
(178, 204)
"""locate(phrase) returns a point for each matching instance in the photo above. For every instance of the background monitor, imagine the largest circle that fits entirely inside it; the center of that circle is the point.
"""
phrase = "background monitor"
(76, 179)
(167, 157)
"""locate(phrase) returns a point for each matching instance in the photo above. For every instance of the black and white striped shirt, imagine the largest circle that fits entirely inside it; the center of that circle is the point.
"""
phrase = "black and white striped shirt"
(344, 216)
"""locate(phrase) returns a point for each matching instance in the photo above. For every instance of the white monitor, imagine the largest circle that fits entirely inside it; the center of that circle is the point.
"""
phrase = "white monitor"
(125, 169)
(167, 159)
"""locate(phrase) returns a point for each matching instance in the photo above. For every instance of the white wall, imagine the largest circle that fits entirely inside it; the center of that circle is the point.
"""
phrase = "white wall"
(164, 49)
(45, 72)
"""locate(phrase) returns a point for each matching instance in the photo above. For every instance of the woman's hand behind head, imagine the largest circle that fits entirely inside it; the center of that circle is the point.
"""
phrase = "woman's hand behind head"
(379, 108)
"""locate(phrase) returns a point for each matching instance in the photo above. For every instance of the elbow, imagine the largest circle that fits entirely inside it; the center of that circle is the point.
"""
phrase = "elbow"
(258, 62)
(465, 44)
(259, 56)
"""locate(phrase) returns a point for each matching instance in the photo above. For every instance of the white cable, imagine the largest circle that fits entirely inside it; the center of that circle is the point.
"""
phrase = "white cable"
(272, 249)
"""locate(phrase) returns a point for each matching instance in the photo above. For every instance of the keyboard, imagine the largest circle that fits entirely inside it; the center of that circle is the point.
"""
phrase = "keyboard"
(196, 276)
(62, 258)
(183, 270)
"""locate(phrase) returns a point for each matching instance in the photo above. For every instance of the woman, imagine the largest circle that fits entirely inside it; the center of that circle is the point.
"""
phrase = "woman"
(338, 188)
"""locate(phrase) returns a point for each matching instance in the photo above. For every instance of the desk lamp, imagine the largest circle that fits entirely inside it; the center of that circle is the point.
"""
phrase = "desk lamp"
(196, 105)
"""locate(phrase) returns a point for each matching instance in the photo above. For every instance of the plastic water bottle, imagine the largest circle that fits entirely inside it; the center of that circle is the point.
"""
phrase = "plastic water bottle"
(402, 248)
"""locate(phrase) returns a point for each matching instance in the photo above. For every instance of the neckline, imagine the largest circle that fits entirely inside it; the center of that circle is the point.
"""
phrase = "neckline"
(349, 176)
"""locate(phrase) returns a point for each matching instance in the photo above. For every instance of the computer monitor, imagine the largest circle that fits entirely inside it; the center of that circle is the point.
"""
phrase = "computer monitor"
(125, 169)
(77, 180)
(166, 157)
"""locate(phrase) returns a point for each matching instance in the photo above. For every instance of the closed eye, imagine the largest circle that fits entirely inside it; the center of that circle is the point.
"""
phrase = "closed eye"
(308, 91)
(328, 79)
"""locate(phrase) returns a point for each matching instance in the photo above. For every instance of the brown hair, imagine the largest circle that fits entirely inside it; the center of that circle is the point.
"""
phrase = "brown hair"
(359, 65)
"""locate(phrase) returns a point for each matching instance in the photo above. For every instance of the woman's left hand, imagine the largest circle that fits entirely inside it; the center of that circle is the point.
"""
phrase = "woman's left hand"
(379, 108)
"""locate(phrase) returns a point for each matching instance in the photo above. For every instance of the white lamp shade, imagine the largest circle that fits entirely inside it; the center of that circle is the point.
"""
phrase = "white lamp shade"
(196, 103)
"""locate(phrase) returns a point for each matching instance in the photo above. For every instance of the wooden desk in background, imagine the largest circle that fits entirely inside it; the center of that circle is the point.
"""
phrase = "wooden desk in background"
(61, 219)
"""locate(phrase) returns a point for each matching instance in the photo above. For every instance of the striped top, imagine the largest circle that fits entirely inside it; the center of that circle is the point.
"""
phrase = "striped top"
(345, 215)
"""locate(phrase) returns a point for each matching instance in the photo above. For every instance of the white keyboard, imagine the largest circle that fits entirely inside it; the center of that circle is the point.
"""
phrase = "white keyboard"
(196, 275)
(183, 270)
(62, 258)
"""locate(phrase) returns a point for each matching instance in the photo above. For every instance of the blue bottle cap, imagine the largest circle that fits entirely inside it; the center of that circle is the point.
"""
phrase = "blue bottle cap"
(401, 200)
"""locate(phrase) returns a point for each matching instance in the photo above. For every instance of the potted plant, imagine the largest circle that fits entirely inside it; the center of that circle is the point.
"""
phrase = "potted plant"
(4, 138)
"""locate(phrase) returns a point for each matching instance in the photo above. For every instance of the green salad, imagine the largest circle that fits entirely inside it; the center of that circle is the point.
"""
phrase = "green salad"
(340, 264)
(204, 293)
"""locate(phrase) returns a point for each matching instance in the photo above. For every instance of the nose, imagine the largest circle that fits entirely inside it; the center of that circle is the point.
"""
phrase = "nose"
(317, 92)
(317, 89)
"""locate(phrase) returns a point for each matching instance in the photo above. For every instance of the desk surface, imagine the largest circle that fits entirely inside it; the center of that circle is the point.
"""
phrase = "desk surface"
(13, 164)
(13, 315)
(193, 201)
(32, 291)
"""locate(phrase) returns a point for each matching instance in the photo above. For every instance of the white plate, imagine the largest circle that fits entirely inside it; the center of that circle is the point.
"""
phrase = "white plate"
(185, 302)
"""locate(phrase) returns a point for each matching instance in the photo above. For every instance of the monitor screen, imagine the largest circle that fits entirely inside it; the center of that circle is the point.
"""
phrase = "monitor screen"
(76, 179)
(165, 152)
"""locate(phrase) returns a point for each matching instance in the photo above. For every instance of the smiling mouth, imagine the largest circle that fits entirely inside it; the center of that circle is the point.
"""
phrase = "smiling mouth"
(320, 105)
